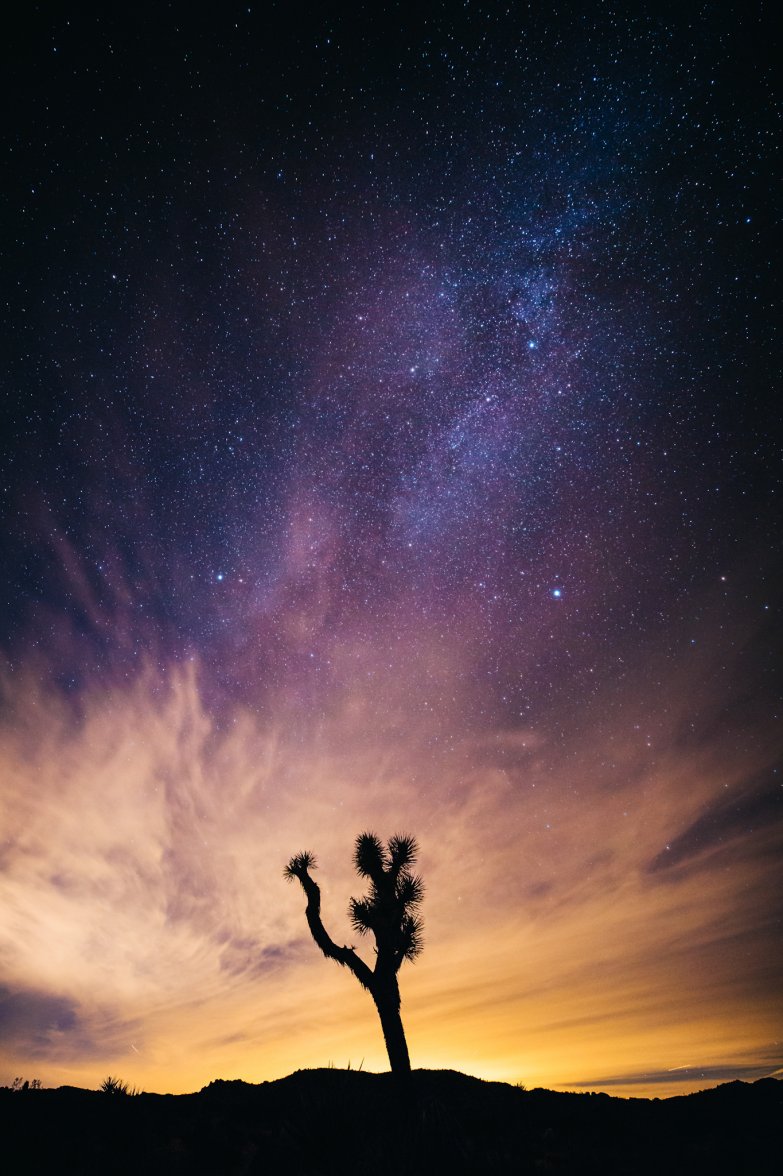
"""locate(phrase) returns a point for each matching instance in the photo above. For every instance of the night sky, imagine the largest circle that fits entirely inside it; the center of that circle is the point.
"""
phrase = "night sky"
(388, 441)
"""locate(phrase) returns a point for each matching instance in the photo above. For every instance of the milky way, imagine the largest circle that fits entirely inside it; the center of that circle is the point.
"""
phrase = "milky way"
(389, 444)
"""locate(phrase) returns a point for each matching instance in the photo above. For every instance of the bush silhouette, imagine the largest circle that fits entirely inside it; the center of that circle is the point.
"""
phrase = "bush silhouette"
(115, 1086)
(389, 912)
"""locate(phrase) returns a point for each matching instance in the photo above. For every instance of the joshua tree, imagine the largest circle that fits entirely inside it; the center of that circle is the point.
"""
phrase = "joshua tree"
(389, 911)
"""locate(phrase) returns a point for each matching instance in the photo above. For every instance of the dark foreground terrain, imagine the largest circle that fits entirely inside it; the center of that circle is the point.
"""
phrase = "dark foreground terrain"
(319, 1122)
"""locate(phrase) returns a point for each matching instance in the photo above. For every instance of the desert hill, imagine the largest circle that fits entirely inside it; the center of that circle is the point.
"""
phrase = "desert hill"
(324, 1122)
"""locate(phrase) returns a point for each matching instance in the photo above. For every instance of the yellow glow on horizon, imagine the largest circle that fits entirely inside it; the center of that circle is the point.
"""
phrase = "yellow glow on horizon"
(142, 889)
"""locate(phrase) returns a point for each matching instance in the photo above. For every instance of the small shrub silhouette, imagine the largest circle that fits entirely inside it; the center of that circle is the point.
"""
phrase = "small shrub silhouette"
(389, 912)
(115, 1086)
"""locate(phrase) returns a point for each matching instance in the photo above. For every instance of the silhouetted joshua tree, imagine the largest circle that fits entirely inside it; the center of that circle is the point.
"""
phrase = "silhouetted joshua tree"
(389, 912)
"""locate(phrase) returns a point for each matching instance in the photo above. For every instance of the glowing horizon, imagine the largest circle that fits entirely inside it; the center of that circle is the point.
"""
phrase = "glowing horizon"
(178, 954)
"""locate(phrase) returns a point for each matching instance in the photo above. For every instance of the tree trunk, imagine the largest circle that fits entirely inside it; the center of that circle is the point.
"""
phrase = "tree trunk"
(387, 1003)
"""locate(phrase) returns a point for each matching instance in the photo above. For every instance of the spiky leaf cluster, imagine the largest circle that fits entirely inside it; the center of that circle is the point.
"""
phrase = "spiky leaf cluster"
(389, 911)
(299, 864)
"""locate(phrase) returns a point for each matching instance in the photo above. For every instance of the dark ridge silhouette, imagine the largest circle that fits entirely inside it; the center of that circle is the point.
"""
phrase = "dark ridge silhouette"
(329, 1122)
(389, 912)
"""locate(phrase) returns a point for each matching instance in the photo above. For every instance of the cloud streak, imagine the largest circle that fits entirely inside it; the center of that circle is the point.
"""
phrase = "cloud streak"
(142, 875)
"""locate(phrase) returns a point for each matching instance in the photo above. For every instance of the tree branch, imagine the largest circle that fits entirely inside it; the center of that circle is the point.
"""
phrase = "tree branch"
(345, 956)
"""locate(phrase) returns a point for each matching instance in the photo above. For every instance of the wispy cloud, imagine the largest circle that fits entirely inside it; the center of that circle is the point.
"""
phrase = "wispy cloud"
(751, 809)
(147, 924)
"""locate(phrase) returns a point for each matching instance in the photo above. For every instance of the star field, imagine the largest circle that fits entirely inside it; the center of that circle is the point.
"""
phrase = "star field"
(389, 441)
